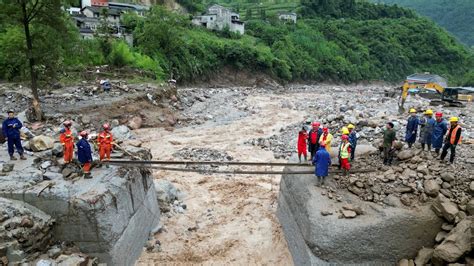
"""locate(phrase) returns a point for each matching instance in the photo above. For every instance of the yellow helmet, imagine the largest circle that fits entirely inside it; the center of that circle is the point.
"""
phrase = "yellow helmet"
(350, 126)
(454, 119)
(345, 131)
(412, 110)
(429, 112)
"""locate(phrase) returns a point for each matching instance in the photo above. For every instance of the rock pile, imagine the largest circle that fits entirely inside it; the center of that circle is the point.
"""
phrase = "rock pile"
(203, 154)
(283, 144)
(417, 179)
(26, 235)
(168, 197)
(25, 231)
(198, 106)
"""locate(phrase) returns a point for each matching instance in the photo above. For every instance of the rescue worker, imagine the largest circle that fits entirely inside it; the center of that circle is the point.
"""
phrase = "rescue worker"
(345, 131)
(353, 136)
(67, 140)
(302, 139)
(84, 154)
(439, 130)
(344, 154)
(426, 129)
(321, 161)
(105, 142)
(326, 138)
(412, 128)
(389, 137)
(452, 139)
(313, 139)
(11, 131)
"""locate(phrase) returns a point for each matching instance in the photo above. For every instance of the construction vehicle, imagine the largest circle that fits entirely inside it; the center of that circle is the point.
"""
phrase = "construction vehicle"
(429, 82)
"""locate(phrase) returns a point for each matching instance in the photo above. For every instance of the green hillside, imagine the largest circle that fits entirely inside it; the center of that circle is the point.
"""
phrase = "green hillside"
(457, 16)
(333, 41)
(348, 40)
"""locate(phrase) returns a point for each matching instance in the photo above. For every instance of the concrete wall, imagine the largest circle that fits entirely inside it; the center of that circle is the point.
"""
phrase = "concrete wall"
(237, 28)
(382, 236)
(109, 216)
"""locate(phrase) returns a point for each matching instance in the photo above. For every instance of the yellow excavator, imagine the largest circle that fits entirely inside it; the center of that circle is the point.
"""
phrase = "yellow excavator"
(430, 82)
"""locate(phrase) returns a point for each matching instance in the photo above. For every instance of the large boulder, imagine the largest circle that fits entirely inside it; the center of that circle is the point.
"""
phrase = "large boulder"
(166, 193)
(431, 188)
(364, 149)
(121, 133)
(445, 208)
(423, 256)
(41, 143)
(315, 239)
(457, 243)
(406, 154)
(135, 123)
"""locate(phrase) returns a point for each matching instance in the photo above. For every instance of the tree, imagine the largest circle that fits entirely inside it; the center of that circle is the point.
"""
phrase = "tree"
(38, 18)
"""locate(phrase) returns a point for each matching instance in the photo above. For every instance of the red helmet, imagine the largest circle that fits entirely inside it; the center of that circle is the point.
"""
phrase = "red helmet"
(106, 126)
(325, 130)
(67, 123)
(345, 137)
(439, 114)
(83, 133)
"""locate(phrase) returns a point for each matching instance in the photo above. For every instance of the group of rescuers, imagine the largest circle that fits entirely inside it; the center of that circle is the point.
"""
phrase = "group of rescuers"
(11, 131)
(433, 131)
(311, 137)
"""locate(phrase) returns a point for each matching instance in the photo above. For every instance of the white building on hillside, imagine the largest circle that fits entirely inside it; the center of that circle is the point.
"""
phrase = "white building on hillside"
(288, 16)
(218, 17)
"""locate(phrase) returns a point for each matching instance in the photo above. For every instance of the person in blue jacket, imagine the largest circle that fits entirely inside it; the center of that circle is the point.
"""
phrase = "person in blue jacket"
(11, 131)
(321, 161)
(426, 129)
(439, 130)
(412, 128)
(84, 154)
(353, 136)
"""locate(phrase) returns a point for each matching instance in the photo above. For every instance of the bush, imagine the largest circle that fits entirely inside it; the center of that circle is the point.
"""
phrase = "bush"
(120, 55)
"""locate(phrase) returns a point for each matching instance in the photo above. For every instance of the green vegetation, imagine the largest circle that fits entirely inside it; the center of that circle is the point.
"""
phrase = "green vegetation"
(338, 40)
(455, 15)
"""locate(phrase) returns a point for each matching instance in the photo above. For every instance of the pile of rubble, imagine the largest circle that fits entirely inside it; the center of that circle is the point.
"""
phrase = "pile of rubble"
(25, 231)
(416, 179)
(27, 235)
(282, 145)
(203, 154)
(169, 197)
(198, 106)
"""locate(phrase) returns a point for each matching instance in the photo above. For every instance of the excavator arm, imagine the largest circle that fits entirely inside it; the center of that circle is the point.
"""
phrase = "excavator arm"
(407, 86)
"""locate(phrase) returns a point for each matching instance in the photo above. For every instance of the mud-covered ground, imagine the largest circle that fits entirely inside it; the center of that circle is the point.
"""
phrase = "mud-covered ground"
(231, 218)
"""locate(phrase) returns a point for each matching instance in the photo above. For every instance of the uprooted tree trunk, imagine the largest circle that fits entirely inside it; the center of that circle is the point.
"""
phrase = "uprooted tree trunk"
(38, 113)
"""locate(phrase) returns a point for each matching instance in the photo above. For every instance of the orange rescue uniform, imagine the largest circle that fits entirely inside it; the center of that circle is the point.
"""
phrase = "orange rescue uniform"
(67, 140)
(86, 168)
(105, 141)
